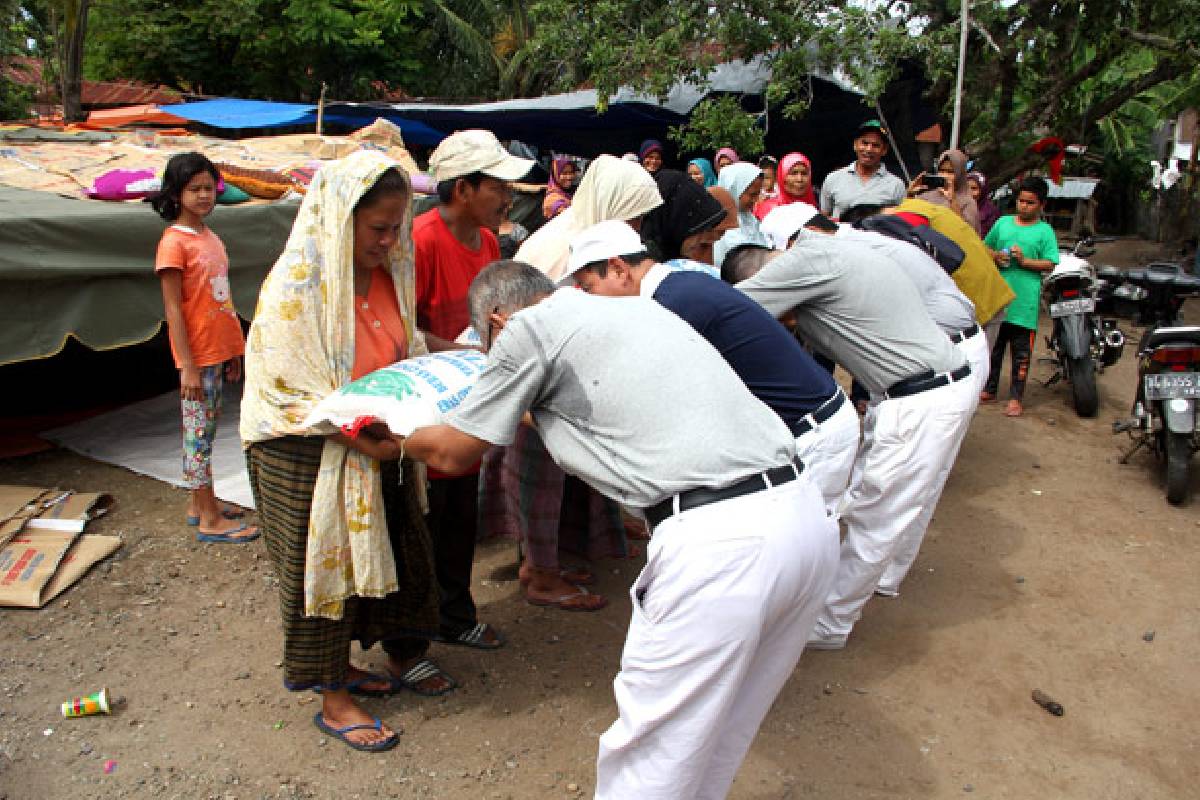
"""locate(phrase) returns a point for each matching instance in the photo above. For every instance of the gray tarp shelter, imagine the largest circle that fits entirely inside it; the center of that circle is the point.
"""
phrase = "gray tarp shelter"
(85, 268)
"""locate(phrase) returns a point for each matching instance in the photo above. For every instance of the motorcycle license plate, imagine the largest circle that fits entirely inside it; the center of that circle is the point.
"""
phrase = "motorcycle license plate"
(1080, 305)
(1169, 385)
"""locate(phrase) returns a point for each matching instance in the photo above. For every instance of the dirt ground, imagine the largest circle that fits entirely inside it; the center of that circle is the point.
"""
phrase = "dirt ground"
(1048, 565)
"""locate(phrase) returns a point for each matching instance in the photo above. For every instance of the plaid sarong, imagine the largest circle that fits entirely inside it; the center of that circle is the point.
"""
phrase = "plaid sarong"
(316, 654)
(523, 494)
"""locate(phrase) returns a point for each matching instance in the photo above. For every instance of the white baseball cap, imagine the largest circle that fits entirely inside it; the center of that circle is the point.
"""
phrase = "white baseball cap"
(601, 242)
(781, 223)
(465, 152)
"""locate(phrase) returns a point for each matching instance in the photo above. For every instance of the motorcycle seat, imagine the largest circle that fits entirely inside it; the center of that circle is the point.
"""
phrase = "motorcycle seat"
(1182, 334)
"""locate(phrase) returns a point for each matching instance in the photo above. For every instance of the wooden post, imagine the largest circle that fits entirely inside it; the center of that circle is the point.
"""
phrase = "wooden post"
(321, 107)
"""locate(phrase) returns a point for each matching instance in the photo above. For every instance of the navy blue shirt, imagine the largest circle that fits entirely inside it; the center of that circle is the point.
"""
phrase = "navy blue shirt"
(768, 359)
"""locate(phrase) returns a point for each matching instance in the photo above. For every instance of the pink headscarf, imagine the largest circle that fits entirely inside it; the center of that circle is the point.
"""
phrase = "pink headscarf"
(728, 152)
(782, 198)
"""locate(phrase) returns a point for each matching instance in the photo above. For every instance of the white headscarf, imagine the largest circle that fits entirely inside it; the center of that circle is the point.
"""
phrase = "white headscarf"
(300, 349)
(610, 189)
(734, 179)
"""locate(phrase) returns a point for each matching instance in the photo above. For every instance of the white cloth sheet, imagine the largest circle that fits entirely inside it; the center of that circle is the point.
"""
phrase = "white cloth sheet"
(147, 438)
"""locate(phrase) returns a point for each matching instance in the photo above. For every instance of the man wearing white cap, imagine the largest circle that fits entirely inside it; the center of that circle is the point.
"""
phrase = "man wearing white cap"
(609, 259)
(874, 322)
(630, 399)
(451, 244)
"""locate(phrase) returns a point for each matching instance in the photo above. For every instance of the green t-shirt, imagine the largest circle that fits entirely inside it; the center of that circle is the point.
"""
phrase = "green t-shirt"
(1036, 241)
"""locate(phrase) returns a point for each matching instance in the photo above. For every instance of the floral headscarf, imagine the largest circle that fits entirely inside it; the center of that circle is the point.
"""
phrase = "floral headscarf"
(706, 168)
(648, 147)
(300, 349)
(558, 197)
(782, 198)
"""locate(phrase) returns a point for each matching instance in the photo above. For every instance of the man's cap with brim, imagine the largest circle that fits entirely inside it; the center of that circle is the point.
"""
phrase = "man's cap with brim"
(871, 126)
(467, 152)
(602, 241)
(781, 223)
(737, 238)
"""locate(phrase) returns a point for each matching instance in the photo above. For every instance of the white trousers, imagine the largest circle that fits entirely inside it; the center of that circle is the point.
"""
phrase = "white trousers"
(979, 356)
(721, 613)
(828, 452)
(907, 442)
(911, 538)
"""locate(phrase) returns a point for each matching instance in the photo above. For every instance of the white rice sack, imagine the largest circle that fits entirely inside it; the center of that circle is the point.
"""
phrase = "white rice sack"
(469, 337)
(407, 395)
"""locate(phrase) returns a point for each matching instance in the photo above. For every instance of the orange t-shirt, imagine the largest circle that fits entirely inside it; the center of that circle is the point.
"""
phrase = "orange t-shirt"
(379, 335)
(213, 330)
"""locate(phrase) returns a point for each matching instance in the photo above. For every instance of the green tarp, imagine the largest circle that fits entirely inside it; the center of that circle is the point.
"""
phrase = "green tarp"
(85, 268)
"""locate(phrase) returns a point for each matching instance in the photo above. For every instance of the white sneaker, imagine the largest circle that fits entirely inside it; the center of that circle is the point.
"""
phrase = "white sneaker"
(817, 641)
(883, 591)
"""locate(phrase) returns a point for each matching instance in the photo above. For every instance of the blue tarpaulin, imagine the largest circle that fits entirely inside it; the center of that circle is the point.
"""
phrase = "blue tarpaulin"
(232, 113)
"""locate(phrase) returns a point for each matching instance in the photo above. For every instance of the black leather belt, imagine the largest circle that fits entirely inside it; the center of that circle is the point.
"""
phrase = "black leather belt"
(694, 498)
(925, 381)
(822, 414)
(964, 334)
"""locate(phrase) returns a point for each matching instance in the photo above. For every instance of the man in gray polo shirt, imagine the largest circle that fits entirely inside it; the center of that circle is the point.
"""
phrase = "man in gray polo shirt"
(866, 181)
(628, 397)
(871, 319)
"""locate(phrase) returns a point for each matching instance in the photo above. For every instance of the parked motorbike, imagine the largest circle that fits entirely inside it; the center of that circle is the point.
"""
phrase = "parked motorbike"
(1081, 342)
(1165, 405)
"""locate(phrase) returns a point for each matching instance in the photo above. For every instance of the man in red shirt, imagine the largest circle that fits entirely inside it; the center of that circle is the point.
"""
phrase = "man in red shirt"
(451, 244)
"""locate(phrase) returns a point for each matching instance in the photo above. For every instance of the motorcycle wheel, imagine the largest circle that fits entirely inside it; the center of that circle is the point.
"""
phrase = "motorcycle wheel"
(1179, 454)
(1081, 372)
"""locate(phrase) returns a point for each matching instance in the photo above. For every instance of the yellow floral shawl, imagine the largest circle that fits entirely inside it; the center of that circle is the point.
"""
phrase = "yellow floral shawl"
(300, 349)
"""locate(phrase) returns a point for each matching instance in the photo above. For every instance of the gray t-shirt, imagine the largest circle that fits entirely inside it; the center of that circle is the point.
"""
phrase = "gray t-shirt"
(626, 396)
(870, 319)
(844, 189)
(948, 306)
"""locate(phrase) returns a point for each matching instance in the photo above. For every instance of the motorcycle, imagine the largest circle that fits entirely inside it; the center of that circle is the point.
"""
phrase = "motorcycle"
(1082, 344)
(1165, 405)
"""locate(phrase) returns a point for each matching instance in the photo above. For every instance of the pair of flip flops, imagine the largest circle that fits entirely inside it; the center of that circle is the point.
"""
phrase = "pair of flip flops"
(227, 513)
(412, 679)
(579, 600)
(367, 747)
(474, 637)
(229, 536)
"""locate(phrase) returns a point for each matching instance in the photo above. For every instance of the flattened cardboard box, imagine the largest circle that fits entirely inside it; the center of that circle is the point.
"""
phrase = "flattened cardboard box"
(41, 550)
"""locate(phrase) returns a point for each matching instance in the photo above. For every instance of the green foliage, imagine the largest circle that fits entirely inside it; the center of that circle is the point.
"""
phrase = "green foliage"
(278, 49)
(14, 97)
(1033, 68)
(720, 122)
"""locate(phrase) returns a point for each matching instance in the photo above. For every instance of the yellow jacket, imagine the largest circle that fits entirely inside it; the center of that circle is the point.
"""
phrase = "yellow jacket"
(977, 278)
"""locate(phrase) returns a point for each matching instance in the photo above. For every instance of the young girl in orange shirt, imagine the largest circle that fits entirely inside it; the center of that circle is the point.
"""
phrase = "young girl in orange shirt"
(206, 336)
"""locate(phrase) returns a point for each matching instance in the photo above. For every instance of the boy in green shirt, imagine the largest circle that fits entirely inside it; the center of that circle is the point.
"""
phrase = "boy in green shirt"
(1023, 246)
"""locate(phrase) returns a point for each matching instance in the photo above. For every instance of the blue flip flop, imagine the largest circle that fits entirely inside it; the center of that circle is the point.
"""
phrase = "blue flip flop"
(395, 685)
(227, 513)
(340, 733)
(228, 537)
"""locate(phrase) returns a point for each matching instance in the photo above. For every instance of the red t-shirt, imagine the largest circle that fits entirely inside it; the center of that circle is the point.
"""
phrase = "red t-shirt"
(445, 268)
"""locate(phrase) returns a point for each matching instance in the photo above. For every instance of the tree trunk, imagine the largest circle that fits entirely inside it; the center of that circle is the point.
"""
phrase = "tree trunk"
(75, 14)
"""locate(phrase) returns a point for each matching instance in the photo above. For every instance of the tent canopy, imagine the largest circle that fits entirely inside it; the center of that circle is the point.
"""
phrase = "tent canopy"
(86, 269)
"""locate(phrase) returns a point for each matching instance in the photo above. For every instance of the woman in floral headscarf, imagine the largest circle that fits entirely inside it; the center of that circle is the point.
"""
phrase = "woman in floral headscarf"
(340, 516)
(564, 175)
(793, 184)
